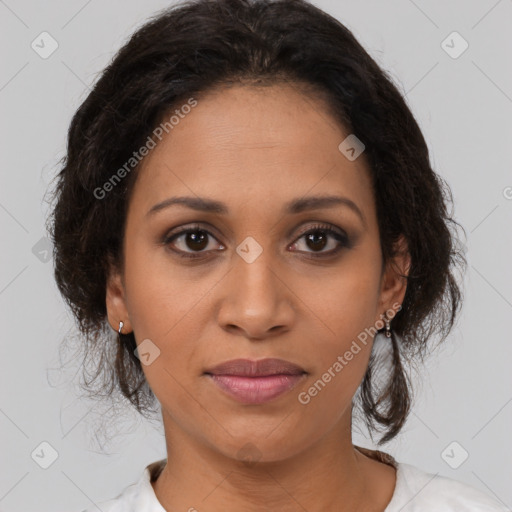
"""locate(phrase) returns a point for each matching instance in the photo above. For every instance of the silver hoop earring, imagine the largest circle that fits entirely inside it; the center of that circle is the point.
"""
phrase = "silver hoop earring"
(120, 327)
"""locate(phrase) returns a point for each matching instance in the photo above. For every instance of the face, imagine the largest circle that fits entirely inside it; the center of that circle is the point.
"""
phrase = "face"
(266, 273)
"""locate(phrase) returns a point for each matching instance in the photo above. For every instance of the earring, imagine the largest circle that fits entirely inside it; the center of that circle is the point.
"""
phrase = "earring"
(120, 327)
(388, 327)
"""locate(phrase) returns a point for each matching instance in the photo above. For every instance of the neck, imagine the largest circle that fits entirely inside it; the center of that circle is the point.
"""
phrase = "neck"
(329, 475)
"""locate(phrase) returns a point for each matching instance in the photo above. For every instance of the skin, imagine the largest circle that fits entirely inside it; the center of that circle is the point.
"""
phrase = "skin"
(255, 149)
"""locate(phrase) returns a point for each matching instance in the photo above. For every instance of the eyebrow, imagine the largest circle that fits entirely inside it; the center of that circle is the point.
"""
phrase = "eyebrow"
(292, 207)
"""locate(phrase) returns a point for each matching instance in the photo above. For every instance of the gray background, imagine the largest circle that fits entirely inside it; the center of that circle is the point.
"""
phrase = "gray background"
(464, 107)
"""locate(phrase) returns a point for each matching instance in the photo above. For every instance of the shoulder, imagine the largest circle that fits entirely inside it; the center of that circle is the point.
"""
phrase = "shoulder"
(124, 502)
(418, 491)
(137, 496)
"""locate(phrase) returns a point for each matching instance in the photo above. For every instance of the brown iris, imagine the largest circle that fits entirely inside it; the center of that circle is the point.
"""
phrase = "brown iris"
(318, 241)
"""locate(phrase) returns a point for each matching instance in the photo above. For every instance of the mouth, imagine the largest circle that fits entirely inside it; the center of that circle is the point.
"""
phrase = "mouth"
(256, 382)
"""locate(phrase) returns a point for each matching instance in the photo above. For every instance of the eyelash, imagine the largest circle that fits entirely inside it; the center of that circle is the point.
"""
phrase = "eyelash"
(324, 228)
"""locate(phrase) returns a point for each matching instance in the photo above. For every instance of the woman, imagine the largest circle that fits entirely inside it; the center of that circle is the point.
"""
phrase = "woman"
(248, 202)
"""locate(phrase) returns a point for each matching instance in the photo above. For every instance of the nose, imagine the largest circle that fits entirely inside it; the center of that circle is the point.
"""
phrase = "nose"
(255, 301)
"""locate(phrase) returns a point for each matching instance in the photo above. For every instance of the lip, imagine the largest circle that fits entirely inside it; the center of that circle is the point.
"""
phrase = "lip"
(256, 368)
(256, 382)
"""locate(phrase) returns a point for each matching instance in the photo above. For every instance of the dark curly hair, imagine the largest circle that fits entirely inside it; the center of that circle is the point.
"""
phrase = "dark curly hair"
(188, 50)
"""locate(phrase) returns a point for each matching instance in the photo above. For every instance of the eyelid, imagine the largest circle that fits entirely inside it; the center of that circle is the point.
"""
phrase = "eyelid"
(326, 226)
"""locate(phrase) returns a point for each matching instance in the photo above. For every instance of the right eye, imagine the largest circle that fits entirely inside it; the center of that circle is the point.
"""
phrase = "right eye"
(194, 238)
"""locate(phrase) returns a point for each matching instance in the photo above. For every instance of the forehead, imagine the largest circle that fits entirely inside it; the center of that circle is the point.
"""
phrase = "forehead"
(248, 146)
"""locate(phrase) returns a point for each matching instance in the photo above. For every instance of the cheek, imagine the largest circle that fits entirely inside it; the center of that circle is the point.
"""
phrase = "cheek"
(163, 309)
(340, 353)
(159, 294)
(172, 321)
(347, 302)
(346, 305)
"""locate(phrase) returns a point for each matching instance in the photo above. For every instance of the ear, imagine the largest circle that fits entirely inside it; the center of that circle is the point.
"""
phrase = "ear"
(116, 302)
(393, 286)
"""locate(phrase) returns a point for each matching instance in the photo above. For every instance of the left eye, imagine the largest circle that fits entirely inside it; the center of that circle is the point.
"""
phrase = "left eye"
(318, 238)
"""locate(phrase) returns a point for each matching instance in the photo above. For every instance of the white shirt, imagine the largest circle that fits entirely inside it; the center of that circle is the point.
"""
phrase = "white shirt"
(415, 491)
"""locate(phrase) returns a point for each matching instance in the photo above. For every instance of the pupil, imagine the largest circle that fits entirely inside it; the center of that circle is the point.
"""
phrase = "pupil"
(198, 241)
(313, 237)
